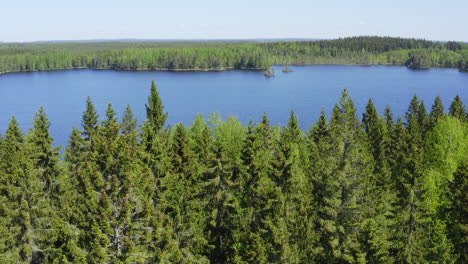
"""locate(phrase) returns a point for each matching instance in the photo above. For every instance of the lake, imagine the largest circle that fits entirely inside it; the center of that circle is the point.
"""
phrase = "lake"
(245, 94)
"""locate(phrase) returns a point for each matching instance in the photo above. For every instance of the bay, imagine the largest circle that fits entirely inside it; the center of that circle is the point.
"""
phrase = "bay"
(244, 94)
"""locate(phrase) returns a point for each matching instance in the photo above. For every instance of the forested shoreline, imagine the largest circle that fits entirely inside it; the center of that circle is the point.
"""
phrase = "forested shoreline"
(207, 56)
(370, 189)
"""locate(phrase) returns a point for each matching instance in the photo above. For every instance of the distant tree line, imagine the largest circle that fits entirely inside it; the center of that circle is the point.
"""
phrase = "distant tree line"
(414, 53)
(376, 189)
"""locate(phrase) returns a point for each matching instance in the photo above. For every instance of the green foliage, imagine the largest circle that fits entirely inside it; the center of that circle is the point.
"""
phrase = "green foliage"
(457, 109)
(197, 55)
(129, 121)
(90, 119)
(458, 212)
(350, 191)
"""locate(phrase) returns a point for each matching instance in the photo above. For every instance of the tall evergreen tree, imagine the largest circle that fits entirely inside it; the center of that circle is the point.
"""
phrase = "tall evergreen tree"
(27, 209)
(458, 211)
(221, 208)
(320, 129)
(155, 110)
(343, 184)
(90, 119)
(377, 138)
(415, 140)
(437, 111)
(46, 157)
(129, 122)
(388, 114)
(457, 109)
(154, 138)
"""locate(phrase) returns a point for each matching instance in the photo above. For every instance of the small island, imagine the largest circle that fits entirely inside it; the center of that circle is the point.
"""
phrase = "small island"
(270, 72)
(286, 69)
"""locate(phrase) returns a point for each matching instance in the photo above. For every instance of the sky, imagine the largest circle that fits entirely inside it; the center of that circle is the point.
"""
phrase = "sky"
(35, 20)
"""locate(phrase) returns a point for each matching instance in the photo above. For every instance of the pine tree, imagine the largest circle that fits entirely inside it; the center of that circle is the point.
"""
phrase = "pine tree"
(457, 109)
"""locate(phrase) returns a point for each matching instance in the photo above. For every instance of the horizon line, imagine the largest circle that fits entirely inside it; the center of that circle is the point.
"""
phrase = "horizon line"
(209, 39)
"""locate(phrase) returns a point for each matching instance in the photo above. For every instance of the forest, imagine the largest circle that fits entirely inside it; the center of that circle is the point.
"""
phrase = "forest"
(213, 55)
(373, 189)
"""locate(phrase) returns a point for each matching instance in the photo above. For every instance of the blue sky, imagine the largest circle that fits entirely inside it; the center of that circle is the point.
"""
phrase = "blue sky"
(31, 20)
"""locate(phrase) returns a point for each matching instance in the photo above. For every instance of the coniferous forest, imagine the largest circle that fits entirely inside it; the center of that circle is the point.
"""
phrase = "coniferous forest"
(375, 188)
(215, 55)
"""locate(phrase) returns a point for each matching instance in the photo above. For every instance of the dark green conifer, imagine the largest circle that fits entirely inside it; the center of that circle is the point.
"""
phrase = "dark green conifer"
(344, 184)
(181, 152)
(457, 109)
(110, 126)
(437, 111)
(388, 114)
(90, 119)
(46, 156)
(154, 139)
(129, 121)
(76, 147)
(458, 212)
(376, 134)
(320, 129)
(155, 109)
(221, 208)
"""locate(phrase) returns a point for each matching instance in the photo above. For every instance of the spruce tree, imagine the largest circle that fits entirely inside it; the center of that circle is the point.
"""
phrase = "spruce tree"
(154, 138)
(27, 209)
(457, 109)
(388, 114)
(46, 156)
(259, 197)
(155, 109)
(129, 122)
(320, 129)
(181, 152)
(437, 111)
(415, 140)
(458, 211)
(377, 139)
(76, 147)
(90, 119)
(12, 168)
(221, 208)
(345, 185)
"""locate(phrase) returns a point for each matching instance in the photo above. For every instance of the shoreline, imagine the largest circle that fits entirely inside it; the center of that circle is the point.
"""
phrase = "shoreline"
(222, 69)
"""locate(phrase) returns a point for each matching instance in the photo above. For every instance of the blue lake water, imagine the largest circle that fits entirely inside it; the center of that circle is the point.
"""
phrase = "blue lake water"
(245, 94)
